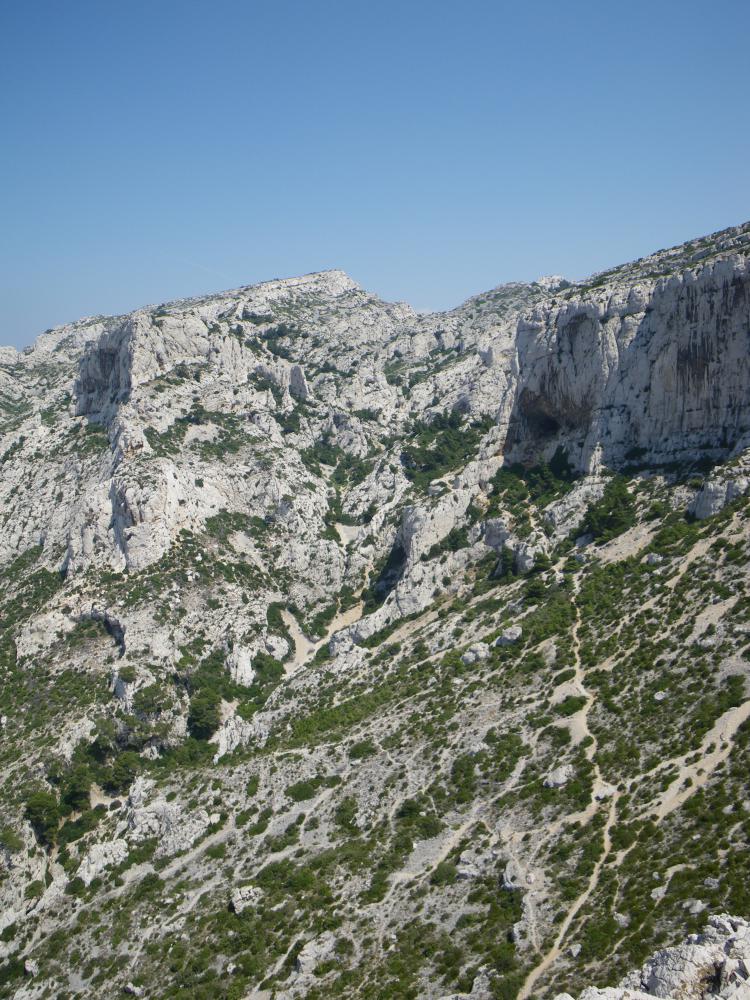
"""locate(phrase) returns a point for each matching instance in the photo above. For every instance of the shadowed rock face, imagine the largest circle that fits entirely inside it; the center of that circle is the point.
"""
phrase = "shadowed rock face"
(662, 368)
(637, 362)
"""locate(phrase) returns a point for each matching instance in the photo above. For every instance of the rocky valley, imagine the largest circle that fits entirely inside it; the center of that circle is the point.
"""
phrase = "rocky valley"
(350, 651)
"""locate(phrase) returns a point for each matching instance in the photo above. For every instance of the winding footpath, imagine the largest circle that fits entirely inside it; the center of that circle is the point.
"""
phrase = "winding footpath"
(579, 728)
(714, 750)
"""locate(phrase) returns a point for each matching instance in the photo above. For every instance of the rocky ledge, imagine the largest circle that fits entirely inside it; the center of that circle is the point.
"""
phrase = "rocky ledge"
(714, 963)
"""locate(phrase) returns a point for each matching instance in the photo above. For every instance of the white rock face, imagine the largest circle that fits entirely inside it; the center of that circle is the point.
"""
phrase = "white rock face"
(559, 776)
(716, 494)
(222, 506)
(714, 963)
(635, 365)
(102, 856)
(240, 665)
(496, 532)
(526, 554)
(245, 897)
(619, 378)
(232, 733)
(167, 822)
(77, 731)
(565, 515)
(474, 654)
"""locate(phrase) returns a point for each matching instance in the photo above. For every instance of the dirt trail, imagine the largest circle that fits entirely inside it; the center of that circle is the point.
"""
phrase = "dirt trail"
(715, 748)
(347, 532)
(556, 950)
(721, 736)
(579, 730)
(579, 722)
(305, 648)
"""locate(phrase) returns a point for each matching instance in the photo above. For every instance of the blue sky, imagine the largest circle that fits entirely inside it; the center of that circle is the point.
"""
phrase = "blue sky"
(431, 149)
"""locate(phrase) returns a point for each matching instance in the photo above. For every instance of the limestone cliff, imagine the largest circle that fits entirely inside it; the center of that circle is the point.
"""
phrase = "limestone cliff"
(352, 651)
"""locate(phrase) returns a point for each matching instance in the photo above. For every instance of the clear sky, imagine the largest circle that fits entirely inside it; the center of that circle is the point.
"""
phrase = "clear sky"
(431, 149)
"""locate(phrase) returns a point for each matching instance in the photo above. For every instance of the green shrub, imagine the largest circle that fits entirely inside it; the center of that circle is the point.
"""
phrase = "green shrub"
(444, 873)
(74, 830)
(345, 814)
(440, 446)
(301, 791)
(74, 791)
(463, 777)
(34, 890)
(365, 748)
(9, 839)
(76, 887)
(540, 484)
(124, 769)
(149, 885)
(570, 705)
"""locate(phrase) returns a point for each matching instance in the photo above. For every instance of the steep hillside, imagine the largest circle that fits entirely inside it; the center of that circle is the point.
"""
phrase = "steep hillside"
(350, 651)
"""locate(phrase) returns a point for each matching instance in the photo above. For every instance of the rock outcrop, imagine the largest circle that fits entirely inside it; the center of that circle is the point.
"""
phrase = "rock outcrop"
(714, 963)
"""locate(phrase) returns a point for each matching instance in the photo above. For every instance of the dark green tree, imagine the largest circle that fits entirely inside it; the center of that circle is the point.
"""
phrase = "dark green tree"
(124, 769)
(43, 812)
(74, 795)
(204, 717)
(613, 513)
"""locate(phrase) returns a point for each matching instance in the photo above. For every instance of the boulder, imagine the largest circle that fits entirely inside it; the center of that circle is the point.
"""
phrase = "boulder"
(509, 636)
(716, 494)
(712, 965)
(476, 653)
(313, 953)
(559, 776)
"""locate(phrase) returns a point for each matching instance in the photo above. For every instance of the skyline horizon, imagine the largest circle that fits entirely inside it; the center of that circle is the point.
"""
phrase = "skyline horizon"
(156, 152)
(226, 290)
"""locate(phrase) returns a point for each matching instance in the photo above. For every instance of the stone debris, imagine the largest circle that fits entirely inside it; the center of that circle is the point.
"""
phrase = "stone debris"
(101, 856)
(244, 897)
